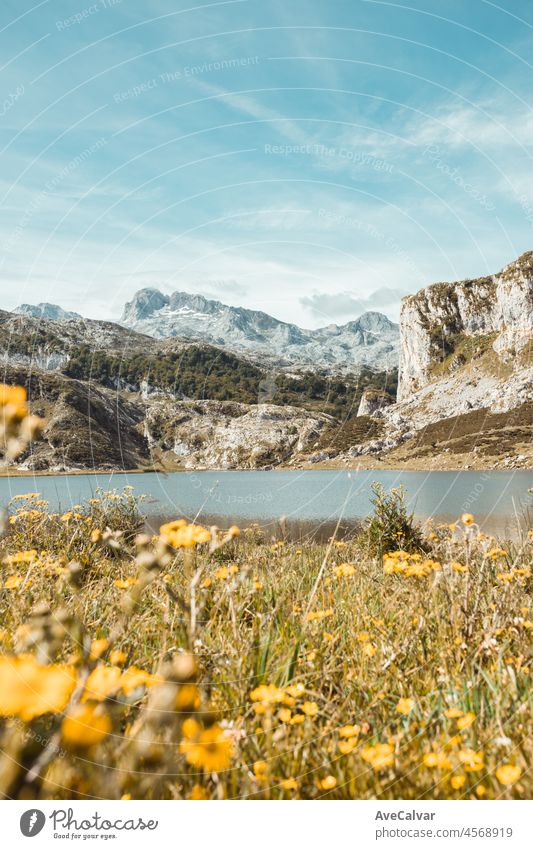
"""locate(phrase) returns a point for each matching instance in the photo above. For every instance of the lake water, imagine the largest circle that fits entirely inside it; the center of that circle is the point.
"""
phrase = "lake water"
(499, 500)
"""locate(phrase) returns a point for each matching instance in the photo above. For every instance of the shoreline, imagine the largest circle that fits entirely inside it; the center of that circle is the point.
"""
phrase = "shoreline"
(326, 466)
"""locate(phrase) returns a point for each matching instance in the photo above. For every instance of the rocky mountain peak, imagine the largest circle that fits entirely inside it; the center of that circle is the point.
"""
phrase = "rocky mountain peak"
(145, 302)
(375, 322)
(45, 310)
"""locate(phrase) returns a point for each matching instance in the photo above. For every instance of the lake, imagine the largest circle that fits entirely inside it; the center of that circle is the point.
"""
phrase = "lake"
(499, 500)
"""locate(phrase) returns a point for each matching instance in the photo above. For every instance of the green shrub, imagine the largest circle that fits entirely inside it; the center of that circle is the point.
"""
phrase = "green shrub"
(390, 527)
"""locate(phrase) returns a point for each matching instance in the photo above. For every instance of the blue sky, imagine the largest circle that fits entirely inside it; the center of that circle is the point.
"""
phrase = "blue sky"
(310, 159)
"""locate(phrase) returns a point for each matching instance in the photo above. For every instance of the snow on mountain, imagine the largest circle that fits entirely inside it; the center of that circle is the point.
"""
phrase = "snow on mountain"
(45, 310)
(370, 340)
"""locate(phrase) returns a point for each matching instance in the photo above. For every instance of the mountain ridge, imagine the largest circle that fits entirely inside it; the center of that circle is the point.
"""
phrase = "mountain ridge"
(46, 310)
(371, 340)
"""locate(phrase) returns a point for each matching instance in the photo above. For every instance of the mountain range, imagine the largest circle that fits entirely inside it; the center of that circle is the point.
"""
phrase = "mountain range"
(226, 387)
(371, 340)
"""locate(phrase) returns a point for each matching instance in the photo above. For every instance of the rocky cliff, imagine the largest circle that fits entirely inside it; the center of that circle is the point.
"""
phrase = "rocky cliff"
(444, 325)
(465, 396)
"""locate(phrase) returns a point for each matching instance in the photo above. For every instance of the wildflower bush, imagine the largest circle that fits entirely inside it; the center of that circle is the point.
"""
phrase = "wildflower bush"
(208, 664)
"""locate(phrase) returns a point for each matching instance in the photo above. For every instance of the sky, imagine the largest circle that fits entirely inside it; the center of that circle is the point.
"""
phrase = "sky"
(309, 159)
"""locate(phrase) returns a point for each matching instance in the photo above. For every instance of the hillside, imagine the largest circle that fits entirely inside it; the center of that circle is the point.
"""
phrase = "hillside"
(114, 398)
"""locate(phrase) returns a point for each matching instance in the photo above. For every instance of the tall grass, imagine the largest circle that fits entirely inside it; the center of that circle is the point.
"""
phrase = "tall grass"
(217, 665)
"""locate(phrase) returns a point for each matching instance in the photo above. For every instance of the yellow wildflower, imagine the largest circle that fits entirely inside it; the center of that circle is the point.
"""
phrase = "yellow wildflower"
(84, 726)
(260, 769)
(13, 582)
(21, 557)
(405, 706)
(289, 784)
(347, 746)
(466, 721)
(295, 690)
(437, 760)
(199, 793)
(98, 647)
(188, 698)
(378, 756)
(267, 694)
(348, 731)
(125, 583)
(13, 401)
(102, 682)
(507, 774)
(133, 677)
(453, 713)
(210, 749)
(327, 783)
(29, 689)
(179, 534)
(344, 570)
(472, 761)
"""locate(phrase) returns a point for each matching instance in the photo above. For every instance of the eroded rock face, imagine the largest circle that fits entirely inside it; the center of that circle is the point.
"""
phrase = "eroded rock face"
(230, 435)
(435, 322)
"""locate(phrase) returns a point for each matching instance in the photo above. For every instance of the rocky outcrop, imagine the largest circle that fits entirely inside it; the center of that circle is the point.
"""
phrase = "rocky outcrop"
(447, 325)
(229, 435)
(373, 401)
(93, 427)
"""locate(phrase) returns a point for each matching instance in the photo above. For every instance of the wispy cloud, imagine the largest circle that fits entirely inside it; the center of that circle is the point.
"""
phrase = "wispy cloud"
(342, 304)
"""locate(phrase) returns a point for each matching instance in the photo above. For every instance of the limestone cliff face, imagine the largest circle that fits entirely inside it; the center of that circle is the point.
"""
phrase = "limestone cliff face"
(444, 325)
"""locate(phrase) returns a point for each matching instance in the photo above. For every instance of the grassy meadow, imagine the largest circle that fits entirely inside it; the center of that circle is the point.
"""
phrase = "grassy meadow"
(215, 664)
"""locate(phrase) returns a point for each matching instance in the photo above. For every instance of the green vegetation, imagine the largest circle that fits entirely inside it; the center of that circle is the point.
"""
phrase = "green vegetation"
(390, 527)
(458, 348)
(202, 372)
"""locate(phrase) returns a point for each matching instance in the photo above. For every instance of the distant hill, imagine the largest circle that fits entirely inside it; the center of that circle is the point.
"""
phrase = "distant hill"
(45, 310)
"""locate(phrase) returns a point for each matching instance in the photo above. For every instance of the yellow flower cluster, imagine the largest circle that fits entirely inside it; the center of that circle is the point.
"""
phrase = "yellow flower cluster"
(29, 689)
(179, 534)
(317, 615)
(379, 756)
(411, 565)
(294, 710)
(107, 680)
(84, 726)
(344, 570)
(17, 427)
(210, 749)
